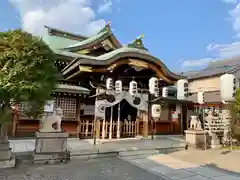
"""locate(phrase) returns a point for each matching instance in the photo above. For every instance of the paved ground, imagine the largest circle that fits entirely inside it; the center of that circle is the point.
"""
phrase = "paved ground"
(224, 159)
(175, 169)
(77, 146)
(174, 164)
(101, 169)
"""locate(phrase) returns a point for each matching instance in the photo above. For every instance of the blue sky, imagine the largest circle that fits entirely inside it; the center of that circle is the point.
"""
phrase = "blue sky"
(184, 34)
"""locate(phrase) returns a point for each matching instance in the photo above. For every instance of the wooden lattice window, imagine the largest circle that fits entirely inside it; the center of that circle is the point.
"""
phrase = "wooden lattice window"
(69, 106)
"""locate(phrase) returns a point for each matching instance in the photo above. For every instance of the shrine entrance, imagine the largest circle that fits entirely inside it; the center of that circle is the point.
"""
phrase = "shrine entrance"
(121, 117)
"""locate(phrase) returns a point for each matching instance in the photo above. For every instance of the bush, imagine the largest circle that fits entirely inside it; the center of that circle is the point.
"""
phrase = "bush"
(235, 116)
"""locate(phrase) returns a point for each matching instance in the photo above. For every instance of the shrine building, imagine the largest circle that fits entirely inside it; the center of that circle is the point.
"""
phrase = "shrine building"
(106, 89)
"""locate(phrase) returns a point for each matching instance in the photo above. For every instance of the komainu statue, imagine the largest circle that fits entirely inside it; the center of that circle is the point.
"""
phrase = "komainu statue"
(195, 123)
(49, 121)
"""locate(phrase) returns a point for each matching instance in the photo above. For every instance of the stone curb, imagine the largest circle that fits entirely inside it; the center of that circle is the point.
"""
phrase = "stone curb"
(101, 153)
(116, 153)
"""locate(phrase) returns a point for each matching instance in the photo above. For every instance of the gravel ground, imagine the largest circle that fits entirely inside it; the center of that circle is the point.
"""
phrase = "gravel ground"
(77, 169)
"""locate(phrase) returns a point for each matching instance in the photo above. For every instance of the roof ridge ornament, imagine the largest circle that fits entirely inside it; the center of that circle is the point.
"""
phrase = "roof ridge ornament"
(140, 37)
(137, 43)
(106, 28)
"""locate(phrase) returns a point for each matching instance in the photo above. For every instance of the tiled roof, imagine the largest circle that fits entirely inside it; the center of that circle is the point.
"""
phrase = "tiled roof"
(103, 34)
(215, 68)
(89, 40)
(71, 89)
(113, 55)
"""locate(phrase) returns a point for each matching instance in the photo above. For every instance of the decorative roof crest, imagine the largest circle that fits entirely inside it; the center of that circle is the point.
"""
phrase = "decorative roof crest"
(137, 43)
(107, 27)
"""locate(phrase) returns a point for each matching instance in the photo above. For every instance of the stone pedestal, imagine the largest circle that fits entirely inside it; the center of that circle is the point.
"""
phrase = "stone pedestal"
(215, 142)
(195, 138)
(6, 158)
(51, 148)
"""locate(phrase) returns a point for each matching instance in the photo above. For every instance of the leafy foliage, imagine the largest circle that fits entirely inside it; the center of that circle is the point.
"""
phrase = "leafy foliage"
(27, 71)
(235, 114)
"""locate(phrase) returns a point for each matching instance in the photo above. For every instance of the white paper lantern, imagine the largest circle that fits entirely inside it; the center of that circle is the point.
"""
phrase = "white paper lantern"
(109, 83)
(227, 87)
(164, 92)
(200, 97)
(153, 86)
(182, 89)
(118, 86)
(156, 110)
(133, 89)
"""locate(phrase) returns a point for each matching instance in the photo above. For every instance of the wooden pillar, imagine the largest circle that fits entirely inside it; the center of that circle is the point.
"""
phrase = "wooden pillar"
(97, 128)
(187, 118)
(145, 124)
(137, 123)
(103, 127)
(78, 116)
(111, 124)
(118, 121)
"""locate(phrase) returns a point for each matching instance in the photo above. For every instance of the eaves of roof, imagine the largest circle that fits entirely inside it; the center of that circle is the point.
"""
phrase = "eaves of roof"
(112, 56)
(56, 31)
(100, 37)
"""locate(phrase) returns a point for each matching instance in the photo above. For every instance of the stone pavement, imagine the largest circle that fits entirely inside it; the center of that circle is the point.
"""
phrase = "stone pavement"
(95, 169)
(221, 158)
(77, 146)
(171, 168)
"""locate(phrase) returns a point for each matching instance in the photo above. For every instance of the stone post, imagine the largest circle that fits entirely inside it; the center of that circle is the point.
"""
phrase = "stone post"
(98, 129)
(145, 124)
(6, 158)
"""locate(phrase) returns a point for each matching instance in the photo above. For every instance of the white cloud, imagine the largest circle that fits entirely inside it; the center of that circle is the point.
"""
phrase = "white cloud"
(75, 16)
(225, 50)
(220, 51)
(106, 6)
(196, 62)
(230, 1)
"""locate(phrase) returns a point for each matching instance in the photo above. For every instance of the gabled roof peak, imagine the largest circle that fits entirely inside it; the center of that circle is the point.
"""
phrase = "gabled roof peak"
(106, 28)
(58, 32)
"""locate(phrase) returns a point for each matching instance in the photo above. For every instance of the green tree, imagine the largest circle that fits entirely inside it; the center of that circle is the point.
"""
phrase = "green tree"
(27, 73)
(235, 116)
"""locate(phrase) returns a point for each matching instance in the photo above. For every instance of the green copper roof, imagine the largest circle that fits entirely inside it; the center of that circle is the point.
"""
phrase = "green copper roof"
(108, 58)
(124, 49)
(71, 89)
(103, 57)
(56, 42)
(89, 40)
(101, 35)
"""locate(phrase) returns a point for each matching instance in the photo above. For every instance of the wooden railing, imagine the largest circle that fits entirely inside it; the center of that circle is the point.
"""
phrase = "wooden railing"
(127, 129)
(83, 129)
(86, 129)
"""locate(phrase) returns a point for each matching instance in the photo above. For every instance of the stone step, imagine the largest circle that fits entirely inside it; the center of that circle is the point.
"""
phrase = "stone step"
(136, 157)
(138, 152)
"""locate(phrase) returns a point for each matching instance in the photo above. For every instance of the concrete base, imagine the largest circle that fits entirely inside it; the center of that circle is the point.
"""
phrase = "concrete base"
(10, 163)
(50, 148)
(215, 142)
(6, 158)
(195, 138)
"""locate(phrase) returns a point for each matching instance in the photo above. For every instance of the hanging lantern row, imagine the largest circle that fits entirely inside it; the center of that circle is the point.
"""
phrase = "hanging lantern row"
(182, 89)
(228, 86)
(133, 86)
